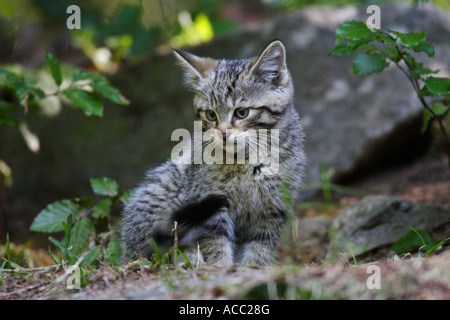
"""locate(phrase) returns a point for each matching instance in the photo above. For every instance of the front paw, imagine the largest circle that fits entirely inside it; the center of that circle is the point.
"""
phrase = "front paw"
(256, 255)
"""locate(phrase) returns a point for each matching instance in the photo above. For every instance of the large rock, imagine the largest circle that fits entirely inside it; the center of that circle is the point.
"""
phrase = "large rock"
(352, 123)
(377, 221)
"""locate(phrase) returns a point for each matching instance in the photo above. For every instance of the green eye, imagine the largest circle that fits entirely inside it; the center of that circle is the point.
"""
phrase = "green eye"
(241, 113)
(210, 115)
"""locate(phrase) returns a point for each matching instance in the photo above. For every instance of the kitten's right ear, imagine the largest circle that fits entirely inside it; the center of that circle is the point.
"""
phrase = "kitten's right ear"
(271, 64)
(196, 68)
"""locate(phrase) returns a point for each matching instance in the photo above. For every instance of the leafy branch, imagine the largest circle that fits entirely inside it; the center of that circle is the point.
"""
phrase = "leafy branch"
(86, 225)
(380, 48)
(85, 90)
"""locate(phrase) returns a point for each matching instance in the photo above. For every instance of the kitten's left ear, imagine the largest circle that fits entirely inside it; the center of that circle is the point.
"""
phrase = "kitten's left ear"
(271, 64)
(196, 68)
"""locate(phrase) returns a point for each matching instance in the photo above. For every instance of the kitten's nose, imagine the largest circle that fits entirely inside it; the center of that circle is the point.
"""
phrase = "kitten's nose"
(223, 127)
(224, 134)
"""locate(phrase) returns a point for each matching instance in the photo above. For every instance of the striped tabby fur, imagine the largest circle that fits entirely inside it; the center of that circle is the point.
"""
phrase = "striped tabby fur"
(232, 212)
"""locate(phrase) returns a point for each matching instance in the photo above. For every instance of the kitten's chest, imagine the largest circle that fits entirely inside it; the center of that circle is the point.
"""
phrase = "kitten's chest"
(249, 191)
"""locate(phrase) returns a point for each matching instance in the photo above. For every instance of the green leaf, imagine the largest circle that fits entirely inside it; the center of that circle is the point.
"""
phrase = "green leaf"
(51, 218)
(410, 39)
(185, 257)
(365, 64)
(81, 75)
(89, 102)
(54, 68)
(408, 242)
(8, 251)
(438, 109)
(418, 70)
(5, 113)
(100, 84)
(341, 48)
(102, 208)
(22, 88)
(58, 243)
(25, 91)
(66, 254)
(423, 236)
(105, 186)
(109, 92)
(353, 30)
(10, 79)
(438, 86)
(436, 244)
(392, 54)
(37, 92)
(426, 47)
(91, 256)
(113, 251)
(386, 39)
(346, 47)
(68, 226)
(82, 231)
(425, 121)
(125, 195)
(424, 92)
(54, 257)
(86, 202)
(1, 272)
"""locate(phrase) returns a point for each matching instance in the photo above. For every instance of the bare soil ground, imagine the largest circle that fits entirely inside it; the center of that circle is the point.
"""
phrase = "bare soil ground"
(405, 277)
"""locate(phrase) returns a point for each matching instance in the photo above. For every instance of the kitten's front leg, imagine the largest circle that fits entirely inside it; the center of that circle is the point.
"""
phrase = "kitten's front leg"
(216, 239)
(262, 247)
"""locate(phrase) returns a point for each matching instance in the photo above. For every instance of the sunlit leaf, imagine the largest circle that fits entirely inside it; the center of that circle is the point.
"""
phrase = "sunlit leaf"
(51, 218)
(410, 39)
(354, 30)
(438, 86)
(109, 92)
(105, 186)
(80, 75)
(89, 102)
(100, 84)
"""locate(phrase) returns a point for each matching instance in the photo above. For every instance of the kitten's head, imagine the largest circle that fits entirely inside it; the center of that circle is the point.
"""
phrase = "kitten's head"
(233, 96)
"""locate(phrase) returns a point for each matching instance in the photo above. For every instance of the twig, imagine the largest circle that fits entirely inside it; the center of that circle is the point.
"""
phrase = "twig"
(416, 86)
(69, 270)
(37, 269)
(18, 291)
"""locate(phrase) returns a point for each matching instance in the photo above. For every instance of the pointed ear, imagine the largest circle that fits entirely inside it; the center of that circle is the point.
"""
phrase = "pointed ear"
(196, 68)
(271, 64)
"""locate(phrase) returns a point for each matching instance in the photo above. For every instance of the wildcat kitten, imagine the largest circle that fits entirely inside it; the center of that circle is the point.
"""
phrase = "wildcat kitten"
(234, 213)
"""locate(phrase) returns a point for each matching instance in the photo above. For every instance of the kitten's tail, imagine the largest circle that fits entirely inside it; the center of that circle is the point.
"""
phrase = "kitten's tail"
(143, 237)
(191, 215)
